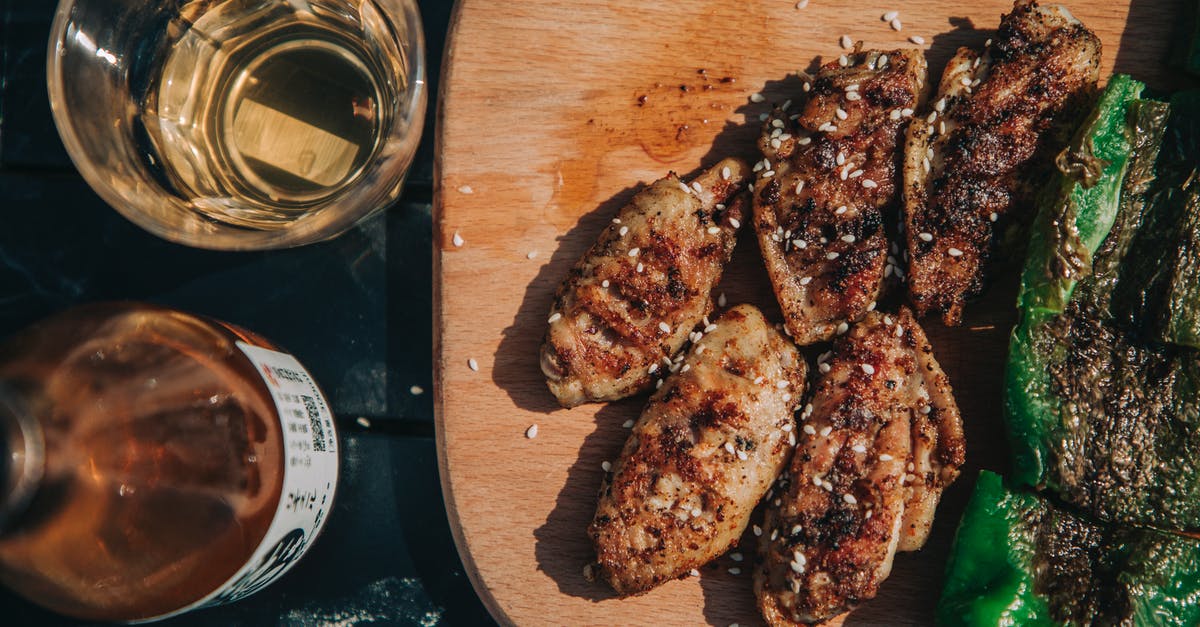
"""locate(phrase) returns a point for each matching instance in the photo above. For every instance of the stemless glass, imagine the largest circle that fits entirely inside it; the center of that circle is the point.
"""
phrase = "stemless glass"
(240, 124)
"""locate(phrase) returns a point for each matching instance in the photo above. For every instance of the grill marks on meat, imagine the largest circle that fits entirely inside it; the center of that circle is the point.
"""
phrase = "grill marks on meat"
(826, 187)
(972, 167)
(707, 447)
(880, 440)
(643, 287)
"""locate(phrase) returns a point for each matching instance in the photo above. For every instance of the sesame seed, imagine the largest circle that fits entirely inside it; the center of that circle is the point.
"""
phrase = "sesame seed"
(742, 455)
(799, 243)
(906, 112)
(777, 124)
(652, 369)
(725, 173)
(966, 80)
(853, 96)
(932, 117)
(954, 252)
(554, 317)
(869, 184)
(890, 15)
(826, 431)
(887, 270)
(858, 448)
(604, 283)
(696, 186)
(658, 384)
(887, 320)
(802, 4)
(734, 223)
(684, 187)
(871, 306)
(855, 174)
(805, 280)
(713, 230)
(775, 143)
(664, 327)
(640, 267)
(696, 512)
(799, 185)
(628, 424)
(472, 364)
(624, 230)
(466, 189)
(824, 368)
(756, 97)
(806, 86)
(895, 114)
(831, 255)
(721, 300)
(606, 466)
(845, 42)
(840, 158)
(896, 24)
(849, 499)
(633, 252)
(700, 349)
(926, 165)
(363, 422)
(940, 105)
(868, 368)
(899, 331)
(926, 409)
(925, 237)
(917, 39)
(737, 557)
(757, 530)
(845, 173)
(885, 457)
(843, 61)
(785, 105)
(828, 487)
(842, 328)
(810, 430)
(883, 61)
(416, 390)
(849, 239)
(841, 113)
(729, 448)
(993, 217)
(797, 567)
(735, 571)
(457, 240)
(531, 254)
(769, 173)
(804, 141)
(532, 431)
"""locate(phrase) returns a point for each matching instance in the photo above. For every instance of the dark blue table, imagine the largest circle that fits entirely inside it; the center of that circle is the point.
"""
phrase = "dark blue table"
(355, 310)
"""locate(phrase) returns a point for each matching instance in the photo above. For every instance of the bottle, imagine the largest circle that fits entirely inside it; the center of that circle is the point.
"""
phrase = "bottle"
(155, 462)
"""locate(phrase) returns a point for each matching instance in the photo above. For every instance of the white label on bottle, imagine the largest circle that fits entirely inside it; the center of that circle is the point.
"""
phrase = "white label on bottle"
(310, 475)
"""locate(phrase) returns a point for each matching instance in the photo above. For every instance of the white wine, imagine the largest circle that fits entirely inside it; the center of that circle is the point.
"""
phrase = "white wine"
(263, 110)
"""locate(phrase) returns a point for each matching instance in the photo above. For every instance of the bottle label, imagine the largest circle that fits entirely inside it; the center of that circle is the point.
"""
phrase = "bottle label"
(309, 477)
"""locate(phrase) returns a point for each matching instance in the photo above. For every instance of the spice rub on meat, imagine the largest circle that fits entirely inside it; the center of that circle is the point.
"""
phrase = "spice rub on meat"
(972, 165)
(707, 447)
(629, 305)
(880, 440)
(827, 181)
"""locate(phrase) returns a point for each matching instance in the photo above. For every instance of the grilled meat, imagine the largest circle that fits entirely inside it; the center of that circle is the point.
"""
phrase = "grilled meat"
(643, 287)
(826, 184)
(880, 440)
(707, 447)
(971, 165)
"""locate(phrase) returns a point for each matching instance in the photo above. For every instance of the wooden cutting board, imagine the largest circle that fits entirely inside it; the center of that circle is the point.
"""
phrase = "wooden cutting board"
(553, 113)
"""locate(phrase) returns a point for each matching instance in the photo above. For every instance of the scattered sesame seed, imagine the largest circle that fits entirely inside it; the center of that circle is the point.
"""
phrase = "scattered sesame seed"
(416, 390)
(846, 42)
(554, 317)
(735, 571)
(696, 186)
(606, 466)
(896, 24)
(842, 328)
(890, 15)
(826, 431)
(628, 424)
(532, 431)
(810, 430)
(466, 189)
(853, 96)
(895, 114)
(805, 280)
(797, 567)
(742, 455)
(843, 61)
(926, 409)
(640, 267)
(721, 300)
(868, 368)
(700, 349)
(684, 187)
(925, 237)
(993, 217)
(954, 252)
(869, 184)
(806, 86)
(457, 240)
(694, 572)
(858, 448)
(696, 512)
(824, 368)
(652, 369)
(871, 306)
(906, 112)
(633, 252)
(828, 487)
(664, 327)
(531, 254)
(855, 174)
(658, 384)
(769, 173)
(841, 113)
(734, 223)
(757, 531)
(604, 283)
(713, 230)
(725, 173)
(849, 499)
(885, 457)
(363, 422)
(917, 39)
(802, 4)
(804, 141)
(848, 238)
(472, 364)
(966, 81)
(756, 97)
(729, 448)
(840, 210)
(831, 255)
(940, 105)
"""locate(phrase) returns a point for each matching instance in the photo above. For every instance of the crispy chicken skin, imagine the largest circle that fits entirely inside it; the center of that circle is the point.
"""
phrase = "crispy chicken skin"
(850, 495)
(643, 287)
(828, 179)
(971, 166)
(707, 447)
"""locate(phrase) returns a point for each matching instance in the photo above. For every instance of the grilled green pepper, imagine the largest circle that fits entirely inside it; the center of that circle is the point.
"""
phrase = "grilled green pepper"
(1103, 397)
(1019, 560)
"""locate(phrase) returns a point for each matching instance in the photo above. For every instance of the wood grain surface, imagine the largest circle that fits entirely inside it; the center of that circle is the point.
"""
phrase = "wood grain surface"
(553, 113)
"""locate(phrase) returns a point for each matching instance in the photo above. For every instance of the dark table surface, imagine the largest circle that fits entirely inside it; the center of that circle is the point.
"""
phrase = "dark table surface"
(355, 310)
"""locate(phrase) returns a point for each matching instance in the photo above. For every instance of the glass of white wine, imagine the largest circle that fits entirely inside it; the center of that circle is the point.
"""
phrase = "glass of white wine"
(240, 124)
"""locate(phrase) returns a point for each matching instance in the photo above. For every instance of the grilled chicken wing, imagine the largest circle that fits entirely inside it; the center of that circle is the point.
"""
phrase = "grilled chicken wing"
(850, 493)
(828, 177)
(643, 287)
(970, 165)
(707, 447)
